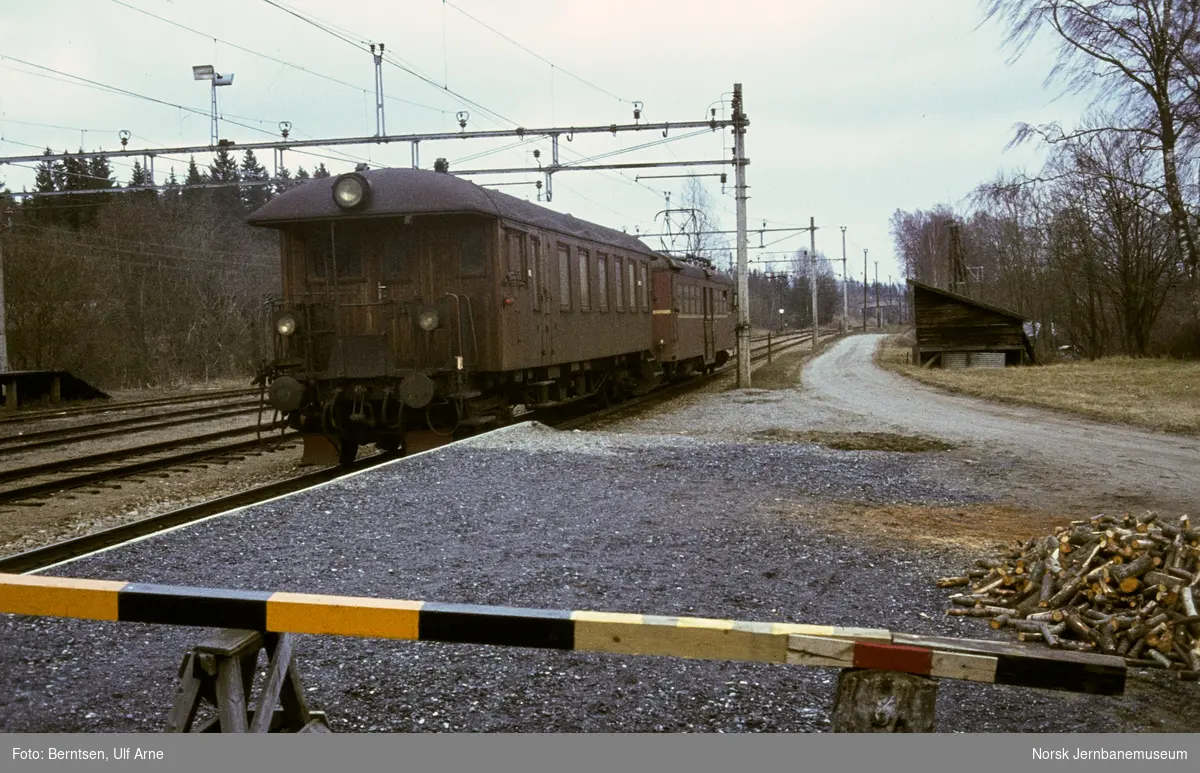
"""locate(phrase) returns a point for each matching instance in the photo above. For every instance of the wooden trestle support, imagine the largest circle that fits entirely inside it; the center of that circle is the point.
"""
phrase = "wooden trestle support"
(220, 671)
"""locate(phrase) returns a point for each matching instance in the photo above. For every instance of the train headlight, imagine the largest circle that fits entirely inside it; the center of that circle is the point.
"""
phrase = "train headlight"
(428, 320)
(351, 191)
(285, 325)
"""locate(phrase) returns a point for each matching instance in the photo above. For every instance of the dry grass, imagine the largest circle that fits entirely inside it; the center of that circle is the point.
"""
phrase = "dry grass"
(1157, 394)
(973, 527)
(784, 370)
(858, 441)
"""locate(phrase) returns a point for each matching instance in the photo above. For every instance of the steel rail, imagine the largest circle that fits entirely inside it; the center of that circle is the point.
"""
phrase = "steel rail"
(122, 453)
(48, 555)
(54, 413)
(124, 471)
(15, 444)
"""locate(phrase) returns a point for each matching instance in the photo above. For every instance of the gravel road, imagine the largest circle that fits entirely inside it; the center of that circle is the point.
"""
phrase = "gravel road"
(1103, 465)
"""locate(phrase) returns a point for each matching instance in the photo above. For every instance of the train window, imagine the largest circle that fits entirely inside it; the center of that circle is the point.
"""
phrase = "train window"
(473, 252)
(348, 243)
(645, 288)
(633, 287)
(585, 294)
(315, 243)
(564, 277)
(515, 257)
(602, 281)
(399, 254)
(618, 270)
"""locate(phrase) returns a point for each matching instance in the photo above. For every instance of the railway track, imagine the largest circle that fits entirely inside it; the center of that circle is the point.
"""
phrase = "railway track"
(763, 351)
(49, 555)
(40, 480)
(60, 413)
(28, 441)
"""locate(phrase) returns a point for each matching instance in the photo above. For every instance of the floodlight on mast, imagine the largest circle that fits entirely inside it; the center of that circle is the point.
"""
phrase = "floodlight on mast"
(206, 72)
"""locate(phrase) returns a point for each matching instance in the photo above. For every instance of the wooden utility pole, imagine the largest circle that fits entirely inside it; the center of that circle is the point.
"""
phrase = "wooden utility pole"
(845, 287)
(5, 224)
(812, 243)
(878, 321)
(743, 272)
(864, 290)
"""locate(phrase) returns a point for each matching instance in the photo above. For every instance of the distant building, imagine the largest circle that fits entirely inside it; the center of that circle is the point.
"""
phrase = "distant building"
(954, 331)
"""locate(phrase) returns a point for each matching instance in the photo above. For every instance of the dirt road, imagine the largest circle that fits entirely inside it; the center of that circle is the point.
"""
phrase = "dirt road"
(1081, 461)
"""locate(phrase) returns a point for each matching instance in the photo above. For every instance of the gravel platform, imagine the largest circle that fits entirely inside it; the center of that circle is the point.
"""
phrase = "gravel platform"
(532, 517)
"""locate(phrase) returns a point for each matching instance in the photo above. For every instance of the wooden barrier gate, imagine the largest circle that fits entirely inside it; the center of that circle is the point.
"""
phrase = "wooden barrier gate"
(886, 685)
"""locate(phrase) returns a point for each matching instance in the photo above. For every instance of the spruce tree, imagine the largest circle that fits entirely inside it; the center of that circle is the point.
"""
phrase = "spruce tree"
(321, 171)
(48, 173)
(253, 195)
(76, 176)
(100, 173)
(224, 170)
(285, 181)
(194, 177)
(194, 196)
(45, 180)
(138, 178)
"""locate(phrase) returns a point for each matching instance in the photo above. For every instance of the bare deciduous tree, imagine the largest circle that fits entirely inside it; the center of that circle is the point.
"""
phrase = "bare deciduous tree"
(1142, 55)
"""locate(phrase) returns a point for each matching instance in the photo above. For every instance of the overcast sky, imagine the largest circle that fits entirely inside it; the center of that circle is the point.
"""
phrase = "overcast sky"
(857, 107)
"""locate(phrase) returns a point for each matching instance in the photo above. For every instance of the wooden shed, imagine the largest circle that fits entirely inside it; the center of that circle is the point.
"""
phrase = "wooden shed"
(954, 331)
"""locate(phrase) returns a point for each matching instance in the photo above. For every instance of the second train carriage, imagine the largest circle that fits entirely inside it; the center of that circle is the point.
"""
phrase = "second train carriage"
(416, 299)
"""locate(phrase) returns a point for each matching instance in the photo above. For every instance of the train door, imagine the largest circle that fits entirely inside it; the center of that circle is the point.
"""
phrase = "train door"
(539, 265)
(710, 343)
(539, 279)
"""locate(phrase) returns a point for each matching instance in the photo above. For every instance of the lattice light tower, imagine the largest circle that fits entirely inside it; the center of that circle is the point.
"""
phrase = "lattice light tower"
(206, 72)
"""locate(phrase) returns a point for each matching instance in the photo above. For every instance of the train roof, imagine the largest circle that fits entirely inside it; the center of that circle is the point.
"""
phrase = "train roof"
(687, 268)
(421, 192)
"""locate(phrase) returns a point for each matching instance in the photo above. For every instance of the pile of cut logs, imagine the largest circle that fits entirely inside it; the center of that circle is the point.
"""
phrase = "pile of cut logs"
(1117, 585)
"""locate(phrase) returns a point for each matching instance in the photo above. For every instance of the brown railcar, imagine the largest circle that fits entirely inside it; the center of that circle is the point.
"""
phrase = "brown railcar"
(693, 324)
(416, 299)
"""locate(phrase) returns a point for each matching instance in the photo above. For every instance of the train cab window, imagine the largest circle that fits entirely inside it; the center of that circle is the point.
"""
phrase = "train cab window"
(329, 247)
(399, 254)
(644, 286)
(619, 294)
(602, 281)
(348, 244)
(514, 256)
(585, 294)
(564, 277)
(473, 252)
(315, 243)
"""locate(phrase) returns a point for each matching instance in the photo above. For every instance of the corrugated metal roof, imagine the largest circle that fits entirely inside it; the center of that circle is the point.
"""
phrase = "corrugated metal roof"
(421, 192)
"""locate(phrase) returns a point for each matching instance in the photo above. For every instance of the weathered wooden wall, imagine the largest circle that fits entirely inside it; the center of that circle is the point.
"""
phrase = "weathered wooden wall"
(947, 324)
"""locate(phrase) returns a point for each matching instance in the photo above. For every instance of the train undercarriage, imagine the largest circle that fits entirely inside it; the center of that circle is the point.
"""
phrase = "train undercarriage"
(337, 416)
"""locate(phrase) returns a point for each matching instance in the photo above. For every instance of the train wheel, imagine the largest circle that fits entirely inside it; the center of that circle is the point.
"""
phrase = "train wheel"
(347, 452)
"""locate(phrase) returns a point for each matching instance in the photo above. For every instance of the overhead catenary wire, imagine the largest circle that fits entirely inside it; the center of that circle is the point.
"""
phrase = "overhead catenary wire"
(535, 54)
(358, 42)
(268, 57)
(126, 92)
